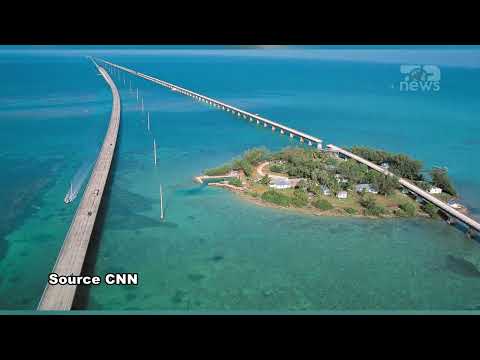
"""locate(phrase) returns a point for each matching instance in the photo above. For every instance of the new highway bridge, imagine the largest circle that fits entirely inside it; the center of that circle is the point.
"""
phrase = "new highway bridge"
(72, 254)
(302, 137)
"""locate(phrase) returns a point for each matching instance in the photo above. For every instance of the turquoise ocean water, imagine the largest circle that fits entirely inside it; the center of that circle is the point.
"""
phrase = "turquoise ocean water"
(216, 251)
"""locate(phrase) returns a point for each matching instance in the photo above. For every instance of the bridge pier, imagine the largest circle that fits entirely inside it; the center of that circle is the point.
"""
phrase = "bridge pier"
(319, 146)
(258, 121)
(301, 139)
(273, 128)
(450, 220)
(251, 120)
(265, 125)
(291, 135)
(309, 143)
(471, 233)
(282, 132)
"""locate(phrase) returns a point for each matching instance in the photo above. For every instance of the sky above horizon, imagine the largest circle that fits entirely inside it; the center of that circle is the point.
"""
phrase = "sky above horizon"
(455, 56)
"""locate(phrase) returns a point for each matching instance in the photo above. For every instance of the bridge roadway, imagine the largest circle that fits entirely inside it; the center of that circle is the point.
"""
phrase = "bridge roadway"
(415, 189)
(420, 192)
(72, 254)
(245, 114)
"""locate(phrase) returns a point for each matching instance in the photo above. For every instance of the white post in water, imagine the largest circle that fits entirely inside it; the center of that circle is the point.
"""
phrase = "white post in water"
(137, 94)
(130, 86)
(154, 152)
(161, 203)
(142, 103)
(148, 121)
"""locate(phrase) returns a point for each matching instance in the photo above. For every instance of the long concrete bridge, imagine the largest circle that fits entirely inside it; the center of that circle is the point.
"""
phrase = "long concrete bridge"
(311, 140)
(420, 192)
(302, 136)
(72, 254)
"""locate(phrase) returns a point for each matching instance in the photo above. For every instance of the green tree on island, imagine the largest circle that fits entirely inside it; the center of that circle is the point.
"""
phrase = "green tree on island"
(256, 155)
(300, 198)
(235, 182)
(334, 186)
(370, 205)
(265, 180)
(399, 164)
(221, 170)
(385, 184)
(242, 164)
(431, 210)
(440, 179)
(322, 204)
(408, 209)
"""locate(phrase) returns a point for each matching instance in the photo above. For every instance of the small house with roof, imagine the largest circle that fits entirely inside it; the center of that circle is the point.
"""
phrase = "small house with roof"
(385, 165)
(435, 190)
(342, 195)
(280, 183)
(366, 187)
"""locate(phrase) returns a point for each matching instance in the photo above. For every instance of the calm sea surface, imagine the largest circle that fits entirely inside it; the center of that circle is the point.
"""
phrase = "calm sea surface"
(215, 251)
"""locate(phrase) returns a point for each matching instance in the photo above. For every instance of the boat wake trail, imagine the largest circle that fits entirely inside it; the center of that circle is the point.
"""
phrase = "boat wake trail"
(77, 181)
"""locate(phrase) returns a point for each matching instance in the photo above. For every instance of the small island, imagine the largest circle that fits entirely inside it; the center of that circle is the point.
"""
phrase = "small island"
(325, 183)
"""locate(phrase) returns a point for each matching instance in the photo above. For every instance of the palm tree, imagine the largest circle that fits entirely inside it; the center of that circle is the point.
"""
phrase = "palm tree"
(265, 180)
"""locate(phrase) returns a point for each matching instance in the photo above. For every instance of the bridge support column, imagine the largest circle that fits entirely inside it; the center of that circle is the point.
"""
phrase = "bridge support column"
(258, 122)
(282, 132)
(471, 233)
(301, 139)
(319, 146)
(251, 119)
(273, 128)
(264, 125)
(291, 135)
(309, 143)
(450, 220)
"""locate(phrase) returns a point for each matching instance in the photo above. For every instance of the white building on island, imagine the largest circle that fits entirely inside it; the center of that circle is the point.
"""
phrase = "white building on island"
(342, 195)
(365, 187)
(280, 183)
(435, 190)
